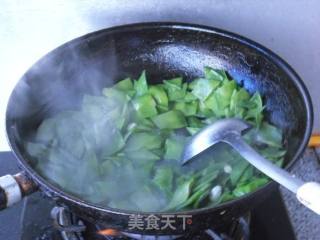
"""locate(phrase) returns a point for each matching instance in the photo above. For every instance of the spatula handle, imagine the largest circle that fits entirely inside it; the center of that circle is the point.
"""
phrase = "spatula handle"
(307, 193)
(267, 167)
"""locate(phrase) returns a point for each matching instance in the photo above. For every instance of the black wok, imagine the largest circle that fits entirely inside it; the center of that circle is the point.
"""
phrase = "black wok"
(165, 50)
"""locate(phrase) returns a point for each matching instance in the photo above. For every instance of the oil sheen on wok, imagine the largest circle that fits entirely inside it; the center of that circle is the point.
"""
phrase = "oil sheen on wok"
(122, 149)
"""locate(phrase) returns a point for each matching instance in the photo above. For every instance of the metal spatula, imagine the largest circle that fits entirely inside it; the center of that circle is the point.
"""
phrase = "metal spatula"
(230, 131)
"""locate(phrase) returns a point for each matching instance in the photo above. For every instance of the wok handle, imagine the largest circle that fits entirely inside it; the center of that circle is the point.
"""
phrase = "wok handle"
(13, 188)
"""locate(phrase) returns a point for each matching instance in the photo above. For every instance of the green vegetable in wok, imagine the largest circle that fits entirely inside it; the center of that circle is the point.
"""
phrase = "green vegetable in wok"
(122, 149)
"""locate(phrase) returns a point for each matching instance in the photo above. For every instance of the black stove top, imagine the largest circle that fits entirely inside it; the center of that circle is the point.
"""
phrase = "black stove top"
(32, 220)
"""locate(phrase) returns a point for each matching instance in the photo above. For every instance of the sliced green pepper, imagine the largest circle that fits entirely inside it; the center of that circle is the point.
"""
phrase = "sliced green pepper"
(213, 74)
(143, 140)
(176, 90)
(255, 108)
(163, 179)
(47, 130)
(109, 143)
(159, 94)
(202, 87)
(270, 135)
(170, 120)
(124, 85)
(189, 97)
(193, 130)
(237, 102)
(145, 106)
(174, 82)
(204, 110)
(174, 146)
(114, 94)
(223, 94)
(181, 194)
(195, 122)
(188, 109)
(141, 85)
(249, 187)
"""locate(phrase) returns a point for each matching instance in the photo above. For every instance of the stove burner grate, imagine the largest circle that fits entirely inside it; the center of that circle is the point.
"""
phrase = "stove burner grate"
(69, 226)
(72, 228)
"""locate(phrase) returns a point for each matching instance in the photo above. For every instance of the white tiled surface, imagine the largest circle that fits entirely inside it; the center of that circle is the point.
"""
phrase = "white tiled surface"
(29, 29)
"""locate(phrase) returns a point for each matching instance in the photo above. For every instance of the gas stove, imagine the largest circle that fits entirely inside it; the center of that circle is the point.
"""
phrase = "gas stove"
(61, 224)
(41, 219)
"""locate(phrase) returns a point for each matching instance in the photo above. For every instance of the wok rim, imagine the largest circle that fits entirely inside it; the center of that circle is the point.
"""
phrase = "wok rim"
(55, 191)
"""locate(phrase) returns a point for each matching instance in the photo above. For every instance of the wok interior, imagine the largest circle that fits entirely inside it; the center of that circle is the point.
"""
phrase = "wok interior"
(86, 65)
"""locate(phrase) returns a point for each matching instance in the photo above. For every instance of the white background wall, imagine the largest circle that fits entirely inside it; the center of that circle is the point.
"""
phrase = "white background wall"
(29, 29)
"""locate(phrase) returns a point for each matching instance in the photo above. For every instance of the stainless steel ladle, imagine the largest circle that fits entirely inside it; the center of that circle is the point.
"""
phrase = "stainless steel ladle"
(230, 131)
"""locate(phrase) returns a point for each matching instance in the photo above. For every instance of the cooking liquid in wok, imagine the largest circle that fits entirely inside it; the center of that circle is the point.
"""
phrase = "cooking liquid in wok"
(122, 149)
